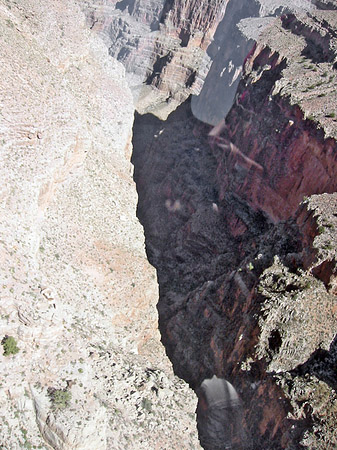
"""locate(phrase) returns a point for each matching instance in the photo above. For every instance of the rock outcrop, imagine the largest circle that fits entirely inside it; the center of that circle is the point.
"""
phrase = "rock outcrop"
(170, 48)
(240, 223)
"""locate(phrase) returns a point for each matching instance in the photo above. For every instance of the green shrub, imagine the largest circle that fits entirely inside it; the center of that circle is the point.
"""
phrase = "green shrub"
(60, 398)
(321, 229)
(10, 345)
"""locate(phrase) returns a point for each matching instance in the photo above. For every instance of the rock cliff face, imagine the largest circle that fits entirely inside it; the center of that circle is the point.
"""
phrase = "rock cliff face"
(161, 44)
(240, 223)
(169, 48)
(77, 293)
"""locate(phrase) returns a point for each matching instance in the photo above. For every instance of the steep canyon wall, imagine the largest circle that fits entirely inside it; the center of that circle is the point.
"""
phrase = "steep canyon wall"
(246, 273)
(161, 44)
(170, 49)
(240, 223)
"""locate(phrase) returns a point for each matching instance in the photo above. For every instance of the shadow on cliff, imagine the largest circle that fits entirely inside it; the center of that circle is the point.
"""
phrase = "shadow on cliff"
(203, 248)
(322, 364)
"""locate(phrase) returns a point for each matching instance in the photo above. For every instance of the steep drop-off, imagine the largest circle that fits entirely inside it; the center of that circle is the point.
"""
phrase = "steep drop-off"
(244, 247)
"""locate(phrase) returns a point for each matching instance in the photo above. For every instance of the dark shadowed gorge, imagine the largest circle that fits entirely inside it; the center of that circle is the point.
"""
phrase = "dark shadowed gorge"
(240, 222)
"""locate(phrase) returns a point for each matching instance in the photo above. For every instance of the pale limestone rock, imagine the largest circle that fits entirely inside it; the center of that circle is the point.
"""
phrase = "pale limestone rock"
(75, 280)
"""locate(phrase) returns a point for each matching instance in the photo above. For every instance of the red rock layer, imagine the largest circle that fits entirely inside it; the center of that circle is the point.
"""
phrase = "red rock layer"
(271, 156)
(194, 20)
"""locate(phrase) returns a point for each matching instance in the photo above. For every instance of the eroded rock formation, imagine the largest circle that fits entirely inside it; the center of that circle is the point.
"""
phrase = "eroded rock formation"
(245, 253)
(247, 274)
(161, 44)
(170, 48)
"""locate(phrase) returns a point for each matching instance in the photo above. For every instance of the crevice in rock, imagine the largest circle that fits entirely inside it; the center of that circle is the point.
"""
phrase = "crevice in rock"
(275, 341)
(325, 4)
(167, 8)
(158, 67)
(205, 273)
(322, 364)
(234, 251)
(126, 4)
(325, 271)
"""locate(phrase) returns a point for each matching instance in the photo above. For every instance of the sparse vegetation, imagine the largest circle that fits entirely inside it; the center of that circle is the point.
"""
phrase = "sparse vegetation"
(10, 346)
(60, 398)
(26, 443)
(321, 229)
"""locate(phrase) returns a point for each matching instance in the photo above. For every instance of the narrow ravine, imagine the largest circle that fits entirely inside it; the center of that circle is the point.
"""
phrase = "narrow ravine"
(203, 269)
(236, 297)
(239, 224)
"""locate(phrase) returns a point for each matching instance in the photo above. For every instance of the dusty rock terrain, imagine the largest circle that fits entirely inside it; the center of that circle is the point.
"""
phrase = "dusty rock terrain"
(77, 292)
(240, 222)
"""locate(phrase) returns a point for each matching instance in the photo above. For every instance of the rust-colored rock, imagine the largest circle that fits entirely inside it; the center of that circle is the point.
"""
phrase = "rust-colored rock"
(162, 44)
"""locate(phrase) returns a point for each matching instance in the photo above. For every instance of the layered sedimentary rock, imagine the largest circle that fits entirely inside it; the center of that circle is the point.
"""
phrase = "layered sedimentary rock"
(170, 48)
(247, 276)
(240, 222)
(77, 293)
(161, 44)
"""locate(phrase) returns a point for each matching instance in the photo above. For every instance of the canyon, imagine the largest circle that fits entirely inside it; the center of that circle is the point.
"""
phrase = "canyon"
(240, 223)
(227, 112)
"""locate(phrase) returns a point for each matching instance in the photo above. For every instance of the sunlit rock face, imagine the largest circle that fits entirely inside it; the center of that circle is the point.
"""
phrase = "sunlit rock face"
(161, 44)
(171, 48)
(240, 222)
(77, 292)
